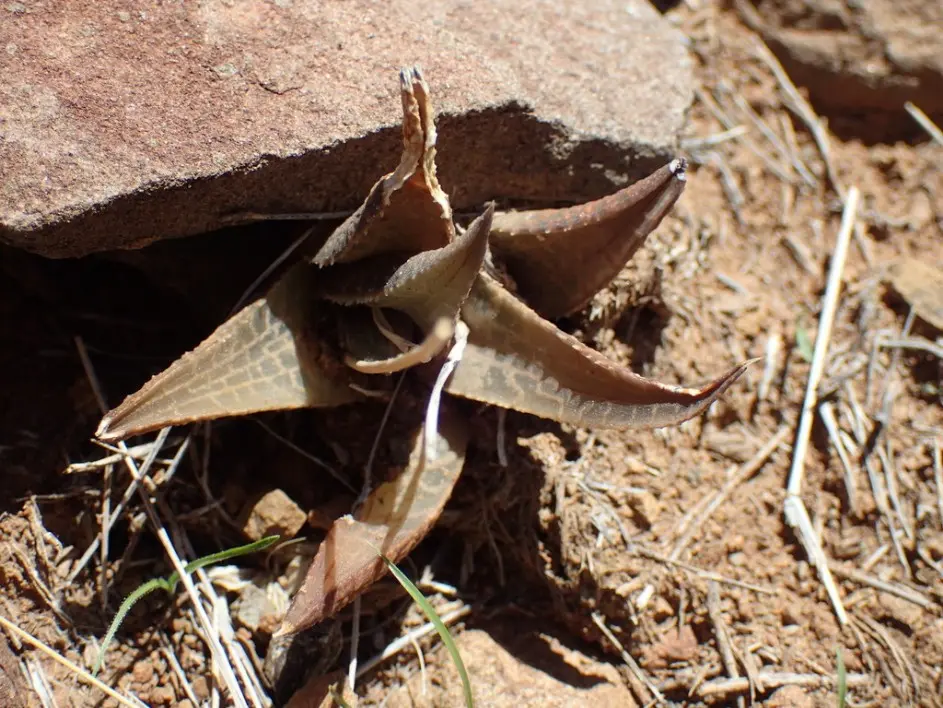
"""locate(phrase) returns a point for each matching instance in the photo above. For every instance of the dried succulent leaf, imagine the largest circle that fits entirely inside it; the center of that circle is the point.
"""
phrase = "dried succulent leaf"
(921, 285)
(559, 258)
(268, 356)
(516, 359)
(406, 210)
(393, 519)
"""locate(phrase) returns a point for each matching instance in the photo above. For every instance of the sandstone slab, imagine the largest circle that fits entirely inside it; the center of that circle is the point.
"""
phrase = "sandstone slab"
(125, 124)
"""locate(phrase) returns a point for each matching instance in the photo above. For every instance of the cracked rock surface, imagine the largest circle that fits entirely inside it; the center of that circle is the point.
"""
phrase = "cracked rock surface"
(120, 127)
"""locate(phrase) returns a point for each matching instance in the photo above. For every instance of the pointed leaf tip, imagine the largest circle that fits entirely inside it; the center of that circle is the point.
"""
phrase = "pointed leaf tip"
(560, 258)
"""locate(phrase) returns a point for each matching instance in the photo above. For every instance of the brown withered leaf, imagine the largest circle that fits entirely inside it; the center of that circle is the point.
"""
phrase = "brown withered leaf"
(393, 519)
(397, 272)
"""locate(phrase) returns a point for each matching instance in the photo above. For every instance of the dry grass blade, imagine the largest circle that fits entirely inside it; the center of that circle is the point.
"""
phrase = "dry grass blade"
(79, 672)
(794, 509)
(924, 120)
(634, 668)
(826, 319)
(803, 110)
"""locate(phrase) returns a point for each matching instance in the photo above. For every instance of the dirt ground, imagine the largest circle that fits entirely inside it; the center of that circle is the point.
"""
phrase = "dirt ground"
(593, 567)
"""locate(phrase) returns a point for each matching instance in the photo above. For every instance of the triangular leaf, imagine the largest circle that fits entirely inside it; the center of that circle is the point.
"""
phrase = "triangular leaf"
(559, 258)
(515, 359)
(268, 356)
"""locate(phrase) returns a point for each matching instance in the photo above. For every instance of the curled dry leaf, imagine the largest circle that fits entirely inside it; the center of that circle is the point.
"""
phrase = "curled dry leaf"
(385, 293)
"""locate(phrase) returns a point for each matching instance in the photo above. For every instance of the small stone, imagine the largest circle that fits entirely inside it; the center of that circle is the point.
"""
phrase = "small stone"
(200, 688)
(254, 608)
(791, 696)
(163, 695)
(143, 672)
(272, 513)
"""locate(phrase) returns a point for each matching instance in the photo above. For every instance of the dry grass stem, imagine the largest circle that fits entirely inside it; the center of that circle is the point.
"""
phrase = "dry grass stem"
(938, 479)
(698, 144)
(901, 591)
(798, 518)
(798, 105)
(79, 672)
(827, 412)
(721, 634)
(822, 338)
(395, 647)
(923, 119)
(634, 668)
(702, 511)
(718, 688)
(209, 629)
(790, 156)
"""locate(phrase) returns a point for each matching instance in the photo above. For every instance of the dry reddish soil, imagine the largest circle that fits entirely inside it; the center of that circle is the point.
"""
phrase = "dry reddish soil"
(672, 543)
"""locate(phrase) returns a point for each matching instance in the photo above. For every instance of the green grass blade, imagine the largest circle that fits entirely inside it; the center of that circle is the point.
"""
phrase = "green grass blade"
(169, 585)
(443, 631)
(148, 587)
(221, 556)
(842, 679)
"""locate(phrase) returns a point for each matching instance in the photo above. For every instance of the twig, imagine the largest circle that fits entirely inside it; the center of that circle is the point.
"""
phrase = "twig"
(924, 120)
(774, 679)
(822, 337)
(634, 668)
(80, 673)
(398, 645)
(704, 508)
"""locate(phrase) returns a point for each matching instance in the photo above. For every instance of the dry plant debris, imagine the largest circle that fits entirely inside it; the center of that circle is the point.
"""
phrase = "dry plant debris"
(336, 326)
